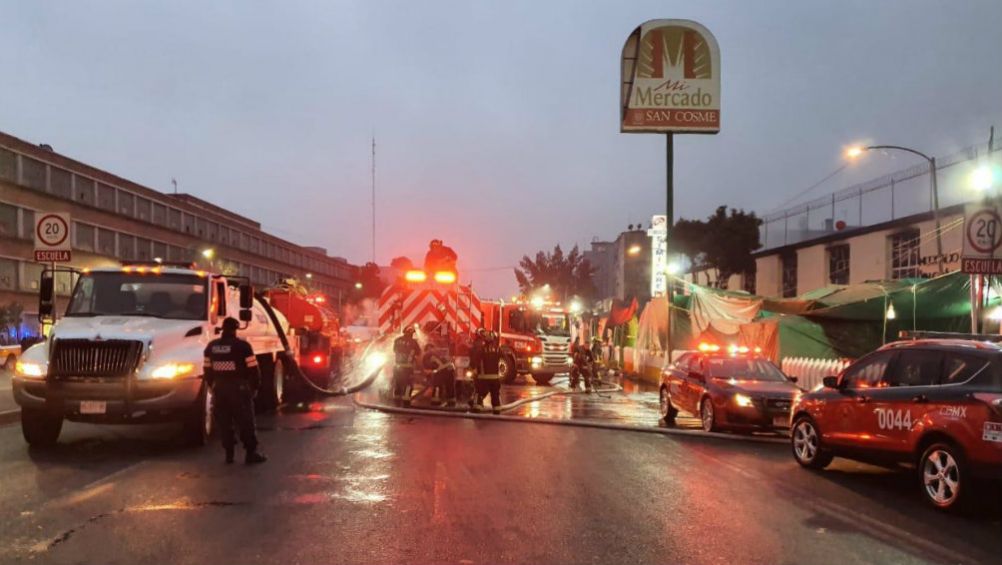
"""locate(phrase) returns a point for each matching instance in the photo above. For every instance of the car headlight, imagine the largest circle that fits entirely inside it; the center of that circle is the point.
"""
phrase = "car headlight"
(169, 371)
(743, 400)
(29, 370)
(536, 361)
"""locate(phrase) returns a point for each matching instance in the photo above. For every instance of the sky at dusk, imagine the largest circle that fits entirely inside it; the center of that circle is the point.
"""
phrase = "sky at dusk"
(496, 123)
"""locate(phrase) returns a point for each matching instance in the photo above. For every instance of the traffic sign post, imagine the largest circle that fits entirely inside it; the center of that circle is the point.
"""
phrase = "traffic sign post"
(982, 253)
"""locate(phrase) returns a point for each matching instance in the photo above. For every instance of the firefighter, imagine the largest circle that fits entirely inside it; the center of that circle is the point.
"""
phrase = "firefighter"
(406, 350)
(488, 380)
(581, 370)
(443, 374)
(232, 373)
(440, 257)
(597, 358)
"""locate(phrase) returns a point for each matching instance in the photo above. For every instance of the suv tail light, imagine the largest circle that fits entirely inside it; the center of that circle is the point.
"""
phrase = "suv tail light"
(992, 399)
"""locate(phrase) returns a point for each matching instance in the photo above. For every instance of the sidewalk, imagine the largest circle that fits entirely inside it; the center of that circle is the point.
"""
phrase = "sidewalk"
(8, 408)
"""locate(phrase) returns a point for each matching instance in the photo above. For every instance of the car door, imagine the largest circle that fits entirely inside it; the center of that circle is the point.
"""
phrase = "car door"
(676, 380)
(695, 383)
(840, 424)
(900, 401)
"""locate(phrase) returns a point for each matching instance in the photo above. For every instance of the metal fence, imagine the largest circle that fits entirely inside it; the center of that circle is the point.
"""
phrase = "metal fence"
(902, 193)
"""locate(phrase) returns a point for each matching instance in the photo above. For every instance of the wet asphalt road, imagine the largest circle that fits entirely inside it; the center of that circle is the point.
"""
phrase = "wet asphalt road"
(347, 485)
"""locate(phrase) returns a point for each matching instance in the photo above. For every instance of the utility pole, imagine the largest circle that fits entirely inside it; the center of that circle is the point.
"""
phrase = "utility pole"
(373, 198)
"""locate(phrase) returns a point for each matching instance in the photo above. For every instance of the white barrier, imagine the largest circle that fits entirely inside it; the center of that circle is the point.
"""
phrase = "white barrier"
(810, 371)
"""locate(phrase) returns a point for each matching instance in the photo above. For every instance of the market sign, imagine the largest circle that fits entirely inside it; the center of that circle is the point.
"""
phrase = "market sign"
(52, 238)
(659, 255)
(670, 79)
(982, 240)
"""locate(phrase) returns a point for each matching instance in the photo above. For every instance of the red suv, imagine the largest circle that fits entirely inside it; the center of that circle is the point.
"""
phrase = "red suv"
(728, 389)
(935, 404)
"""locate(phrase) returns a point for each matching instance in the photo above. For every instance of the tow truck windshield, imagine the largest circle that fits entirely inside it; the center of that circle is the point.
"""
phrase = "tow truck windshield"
(172, 296)
(744, 369)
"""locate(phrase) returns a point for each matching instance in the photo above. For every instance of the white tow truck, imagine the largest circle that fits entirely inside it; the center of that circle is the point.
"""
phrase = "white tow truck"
(129, 349)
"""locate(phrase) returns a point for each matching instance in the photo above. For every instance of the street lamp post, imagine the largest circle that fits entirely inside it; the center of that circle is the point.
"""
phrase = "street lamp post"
(854, 152)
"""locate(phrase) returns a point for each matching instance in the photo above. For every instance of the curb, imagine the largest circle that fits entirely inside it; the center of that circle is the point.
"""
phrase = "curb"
(9, 417)
(572, 423)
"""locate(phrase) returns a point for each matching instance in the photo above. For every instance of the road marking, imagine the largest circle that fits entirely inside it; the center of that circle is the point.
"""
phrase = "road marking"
(91, 489)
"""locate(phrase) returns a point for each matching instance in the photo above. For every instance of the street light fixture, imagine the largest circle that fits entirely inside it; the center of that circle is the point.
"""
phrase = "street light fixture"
(209, 253)
(857, 151)
(983, 178)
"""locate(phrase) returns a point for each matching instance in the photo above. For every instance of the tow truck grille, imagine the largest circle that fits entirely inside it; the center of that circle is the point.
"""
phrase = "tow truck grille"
(85, 358)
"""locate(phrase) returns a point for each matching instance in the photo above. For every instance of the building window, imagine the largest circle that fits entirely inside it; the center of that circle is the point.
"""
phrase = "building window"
(8, 274)
(789, 262)
(126, 203)
(33, 173)
(838, 264)
(189, 223)
(8, 220)
(905, 255)
(126, 247)
(143, 209)
(84, 236)
(106, 242)
(105, 197)
(174, 219)
(60, 183)
(159, 214)
(32, 272)
(84, 189)
(159, 250)
(27, 224)
(143, 249)
(8, 165)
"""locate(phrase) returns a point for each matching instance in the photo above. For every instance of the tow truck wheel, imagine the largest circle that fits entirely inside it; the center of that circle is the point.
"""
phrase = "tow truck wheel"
(40, 428)
(806, 441)
(506, 368)
(199, 424)
(667, 411)
(269, 396)
(708, 416)
(943, 472)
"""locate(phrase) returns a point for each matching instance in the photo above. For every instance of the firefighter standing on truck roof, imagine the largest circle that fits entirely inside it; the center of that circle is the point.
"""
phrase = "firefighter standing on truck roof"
(486, 358)
(406, 350)
(232, 373)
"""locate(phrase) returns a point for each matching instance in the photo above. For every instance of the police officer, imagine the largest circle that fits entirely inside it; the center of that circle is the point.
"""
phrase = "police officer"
(486, 356)
(406, 351)
(231, 371)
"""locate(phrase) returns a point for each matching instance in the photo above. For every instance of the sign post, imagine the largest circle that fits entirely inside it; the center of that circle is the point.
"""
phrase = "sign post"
(982, 252)
(670, 83)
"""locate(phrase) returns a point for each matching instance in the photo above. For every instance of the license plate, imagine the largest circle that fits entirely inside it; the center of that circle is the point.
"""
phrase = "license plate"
(93, 407)
(780, 421)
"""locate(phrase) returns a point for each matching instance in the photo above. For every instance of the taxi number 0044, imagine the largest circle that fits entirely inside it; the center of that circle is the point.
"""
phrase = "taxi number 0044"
(888, 419)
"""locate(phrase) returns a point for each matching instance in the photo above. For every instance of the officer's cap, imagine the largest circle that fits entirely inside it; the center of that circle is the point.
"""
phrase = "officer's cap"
(230, 325)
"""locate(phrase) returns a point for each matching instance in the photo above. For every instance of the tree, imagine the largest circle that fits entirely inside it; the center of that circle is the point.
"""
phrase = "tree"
(372, 283)
(723, 243)
(568, 275)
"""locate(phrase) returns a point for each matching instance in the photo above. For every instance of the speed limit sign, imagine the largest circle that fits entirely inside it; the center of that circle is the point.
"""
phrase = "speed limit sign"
(982, 240)
(52, 237)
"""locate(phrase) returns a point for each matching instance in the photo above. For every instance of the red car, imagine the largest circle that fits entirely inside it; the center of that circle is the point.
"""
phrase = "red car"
(932, 404)
(728, 389)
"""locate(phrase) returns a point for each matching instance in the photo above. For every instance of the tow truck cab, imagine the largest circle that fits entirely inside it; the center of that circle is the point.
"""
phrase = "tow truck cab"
(130, 346)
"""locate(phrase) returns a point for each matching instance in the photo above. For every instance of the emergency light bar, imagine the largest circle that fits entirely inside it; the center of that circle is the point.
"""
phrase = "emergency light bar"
(415, 276)
(445, 277)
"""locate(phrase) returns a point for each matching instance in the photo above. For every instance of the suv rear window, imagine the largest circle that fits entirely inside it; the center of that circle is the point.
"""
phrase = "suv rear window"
(958, 368)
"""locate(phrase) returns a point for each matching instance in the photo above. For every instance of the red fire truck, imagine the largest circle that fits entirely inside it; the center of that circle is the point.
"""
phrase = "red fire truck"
(314, 335)
(535, 334)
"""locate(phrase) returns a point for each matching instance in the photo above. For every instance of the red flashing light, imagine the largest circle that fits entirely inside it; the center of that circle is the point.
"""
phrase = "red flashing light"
(415, 276)
(708, 347)
(318, 359)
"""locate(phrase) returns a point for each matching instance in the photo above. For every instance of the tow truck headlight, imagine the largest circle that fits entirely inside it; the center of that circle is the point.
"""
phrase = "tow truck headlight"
(29, 370)
(169, 371)
(743, 400)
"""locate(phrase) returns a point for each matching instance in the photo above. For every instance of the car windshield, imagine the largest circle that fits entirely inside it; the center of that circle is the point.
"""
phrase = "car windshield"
(744, 369)
(174, 296)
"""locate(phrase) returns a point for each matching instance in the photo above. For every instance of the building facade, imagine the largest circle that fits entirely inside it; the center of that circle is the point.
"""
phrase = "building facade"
(623, 266)
(115, 220)
(898, 249)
